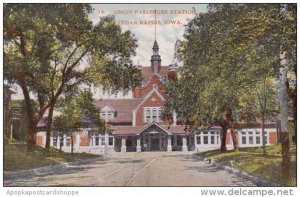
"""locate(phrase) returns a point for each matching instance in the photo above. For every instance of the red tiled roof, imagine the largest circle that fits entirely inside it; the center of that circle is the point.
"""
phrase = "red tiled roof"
(126, 130)
(178, 129)
(123, 107)
(147, 73)
(255, 125)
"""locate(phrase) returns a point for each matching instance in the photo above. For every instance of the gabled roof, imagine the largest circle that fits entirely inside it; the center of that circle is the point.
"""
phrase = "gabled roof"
(136, 130)
(145, 98)
(151, 124)
(123, 107)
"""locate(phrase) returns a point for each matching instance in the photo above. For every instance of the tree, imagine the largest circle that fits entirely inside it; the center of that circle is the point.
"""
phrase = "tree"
(55, 46)
(261, 104)
(76, 109)
(224, 53)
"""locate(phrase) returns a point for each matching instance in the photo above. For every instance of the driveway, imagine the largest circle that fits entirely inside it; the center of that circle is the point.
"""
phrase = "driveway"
(139, 169)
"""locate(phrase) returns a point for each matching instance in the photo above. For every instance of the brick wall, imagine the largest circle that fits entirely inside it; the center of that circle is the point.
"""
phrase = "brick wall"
(272, 137)
(84, 140)
(39, 140)
(140, 92)
(153, 101)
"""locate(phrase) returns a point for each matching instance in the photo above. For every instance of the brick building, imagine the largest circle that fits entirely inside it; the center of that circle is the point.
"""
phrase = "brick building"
(136, 125)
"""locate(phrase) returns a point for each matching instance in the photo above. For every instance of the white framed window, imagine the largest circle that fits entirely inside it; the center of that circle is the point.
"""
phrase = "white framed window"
(198, 139)
(208, 137)
(251, 137)
(107, 115)
(68, 141)
(152, 114)
(110, 140)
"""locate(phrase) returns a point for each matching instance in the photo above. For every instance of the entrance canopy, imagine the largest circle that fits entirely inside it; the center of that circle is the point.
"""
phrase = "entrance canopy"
(152, 127)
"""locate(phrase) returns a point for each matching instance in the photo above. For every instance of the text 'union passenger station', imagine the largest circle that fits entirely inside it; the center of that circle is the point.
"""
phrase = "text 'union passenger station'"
(136, 125)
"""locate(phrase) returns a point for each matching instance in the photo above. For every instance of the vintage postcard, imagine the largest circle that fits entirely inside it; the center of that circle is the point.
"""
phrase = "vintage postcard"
(150, 95)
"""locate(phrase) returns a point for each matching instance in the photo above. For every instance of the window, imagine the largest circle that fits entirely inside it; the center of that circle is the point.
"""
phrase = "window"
(212, 139)
(250, 139)
(205, 139)
(108, 114)
(266, 138)
(152, 114)
(97, 140)
(159, 115)
(244, 141)
(191, 140)
(54, 141)
(68, 141)
(110, 141)
(102, 141)
(198, 139)
(148, 115)
(257, 140)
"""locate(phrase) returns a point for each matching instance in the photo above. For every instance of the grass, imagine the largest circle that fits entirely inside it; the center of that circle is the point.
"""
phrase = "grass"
(16, 157)
(253, 161)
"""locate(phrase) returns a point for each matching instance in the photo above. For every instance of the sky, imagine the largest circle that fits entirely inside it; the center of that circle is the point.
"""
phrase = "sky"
(166, 34)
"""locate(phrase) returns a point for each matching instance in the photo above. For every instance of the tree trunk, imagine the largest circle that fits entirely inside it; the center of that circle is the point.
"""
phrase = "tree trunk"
(234, 139)
(223, 138)
(284, 115)
(263, 137)
(49, 127)
(294, 101)
(32, 120)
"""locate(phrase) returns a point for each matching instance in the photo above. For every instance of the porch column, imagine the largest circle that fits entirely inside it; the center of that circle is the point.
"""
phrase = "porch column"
(65, 140)
(175, 141)
(58, 142)
(138, 144)
(123, 147)
(159, 142)
(169, 146)
(78, 140)
(184, 144)
(94, 140)
(44, 140)
(51, 141)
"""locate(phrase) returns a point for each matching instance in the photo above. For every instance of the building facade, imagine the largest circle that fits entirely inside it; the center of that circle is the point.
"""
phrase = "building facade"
(136, 124)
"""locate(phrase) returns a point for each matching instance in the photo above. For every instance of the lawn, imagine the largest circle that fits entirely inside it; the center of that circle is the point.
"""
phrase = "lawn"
(252, 160)
(16, 157)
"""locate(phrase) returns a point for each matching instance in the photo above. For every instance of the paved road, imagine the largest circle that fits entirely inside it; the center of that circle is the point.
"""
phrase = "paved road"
(139, 169)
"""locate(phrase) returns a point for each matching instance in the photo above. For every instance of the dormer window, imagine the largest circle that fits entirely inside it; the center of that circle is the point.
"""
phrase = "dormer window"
(108, 113)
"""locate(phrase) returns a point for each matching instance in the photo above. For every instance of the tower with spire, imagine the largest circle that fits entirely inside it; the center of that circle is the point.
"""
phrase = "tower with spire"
(155, 59)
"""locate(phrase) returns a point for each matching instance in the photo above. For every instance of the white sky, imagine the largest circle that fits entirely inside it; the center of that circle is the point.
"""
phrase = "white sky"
(166, 34)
